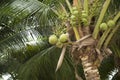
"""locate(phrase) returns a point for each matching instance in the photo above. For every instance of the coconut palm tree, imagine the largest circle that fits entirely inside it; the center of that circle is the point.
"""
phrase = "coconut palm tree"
(85, 45)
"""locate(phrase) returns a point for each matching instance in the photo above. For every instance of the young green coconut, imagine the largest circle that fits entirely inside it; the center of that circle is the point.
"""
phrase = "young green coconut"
(53, 39)
(111, 23)
(63, 38)
(103, 26)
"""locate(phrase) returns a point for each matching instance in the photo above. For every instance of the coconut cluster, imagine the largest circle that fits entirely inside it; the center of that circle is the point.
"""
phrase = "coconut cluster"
(54, 40)
(109, 24)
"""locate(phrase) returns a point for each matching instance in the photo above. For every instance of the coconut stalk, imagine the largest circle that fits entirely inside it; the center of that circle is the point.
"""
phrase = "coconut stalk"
(86, 28)
(102, 13)
(74, 28)
(110, 36)
(105, 34)
(113, 31)
(86, 6)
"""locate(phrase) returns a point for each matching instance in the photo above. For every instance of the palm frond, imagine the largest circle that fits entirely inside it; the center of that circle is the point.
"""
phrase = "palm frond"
(43, 66)
(106, 67)
(19, 48)
(15, 11)
(22, 45)
(5, 32)
(22, 40)
(28, 24)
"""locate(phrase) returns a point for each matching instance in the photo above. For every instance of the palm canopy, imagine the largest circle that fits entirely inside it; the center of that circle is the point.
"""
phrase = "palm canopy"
(24, 49)
(25, 26)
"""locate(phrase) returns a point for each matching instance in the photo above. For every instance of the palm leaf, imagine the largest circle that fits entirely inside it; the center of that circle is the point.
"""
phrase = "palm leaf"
(44, 63)
(19, 48)
(27, 21)
(16, 42)
(22, 45)
(15, 11)
(5, 32)
(106, 67)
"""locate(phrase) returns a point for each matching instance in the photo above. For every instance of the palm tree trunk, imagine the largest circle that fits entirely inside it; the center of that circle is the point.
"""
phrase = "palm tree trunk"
(90, 70)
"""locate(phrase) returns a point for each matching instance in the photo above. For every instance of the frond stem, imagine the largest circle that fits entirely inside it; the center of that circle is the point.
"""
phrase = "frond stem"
(69, 5)
(86, 6)
(110, 36)
(76, 33)
(102, 13)
(105, 34)
(113, 31)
